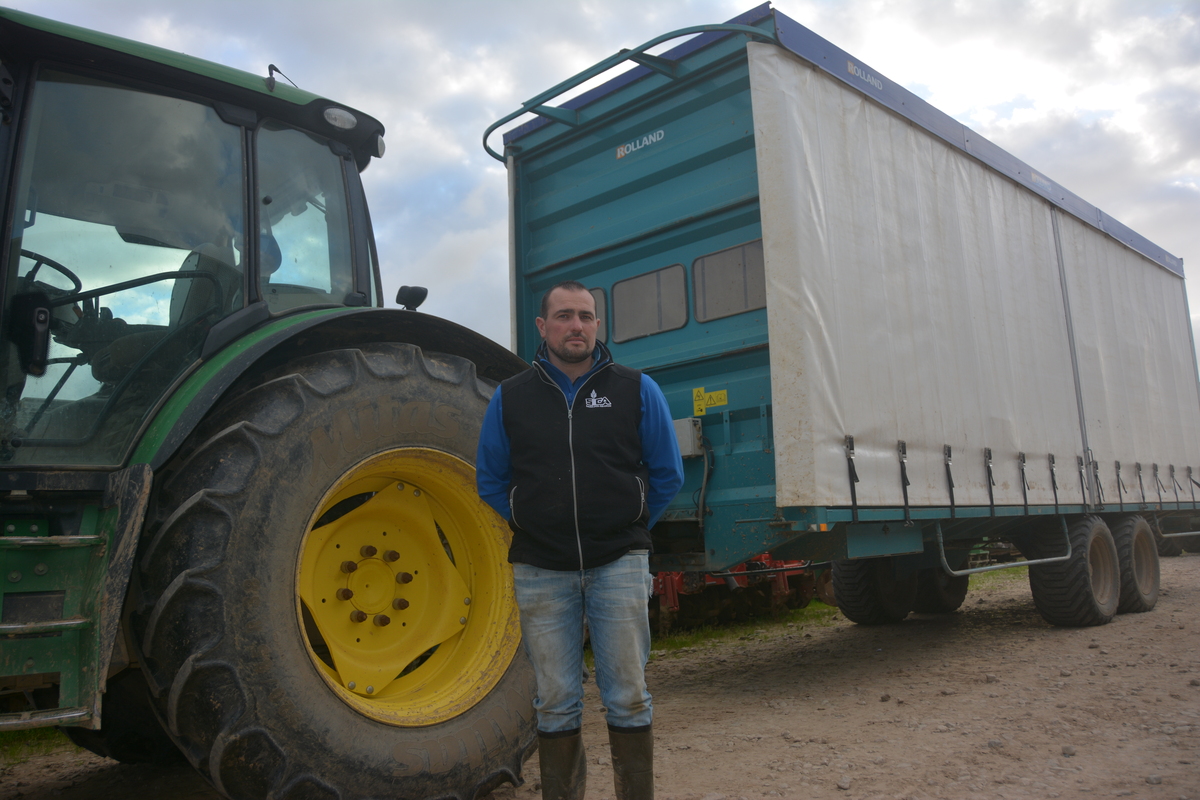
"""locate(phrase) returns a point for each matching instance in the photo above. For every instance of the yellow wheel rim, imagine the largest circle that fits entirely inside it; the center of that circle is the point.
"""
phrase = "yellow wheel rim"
(404, 591)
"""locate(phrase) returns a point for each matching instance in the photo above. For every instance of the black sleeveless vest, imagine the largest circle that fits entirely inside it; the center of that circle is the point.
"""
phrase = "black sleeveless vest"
(578, 492)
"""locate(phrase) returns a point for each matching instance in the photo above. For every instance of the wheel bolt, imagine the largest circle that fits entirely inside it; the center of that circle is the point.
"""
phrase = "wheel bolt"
(358, 616)
(466, 601)
(351, 685)
(399, 604)
(344, 594)
(462, 620)
(370, 690)
(391, 555)
(404, 577)
(349, 566)
(382, 620)
(368, 551)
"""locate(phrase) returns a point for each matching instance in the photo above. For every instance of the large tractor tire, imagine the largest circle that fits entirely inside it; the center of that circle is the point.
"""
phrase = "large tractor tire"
(325, 608)
(1137, 555)
(939, 593)
(1086, 589)
(869, 592)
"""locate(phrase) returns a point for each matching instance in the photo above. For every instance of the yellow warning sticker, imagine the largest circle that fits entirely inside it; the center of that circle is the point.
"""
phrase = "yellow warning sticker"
(702, 400)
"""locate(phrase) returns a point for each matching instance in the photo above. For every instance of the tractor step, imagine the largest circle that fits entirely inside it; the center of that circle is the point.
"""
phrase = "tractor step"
(40, 719)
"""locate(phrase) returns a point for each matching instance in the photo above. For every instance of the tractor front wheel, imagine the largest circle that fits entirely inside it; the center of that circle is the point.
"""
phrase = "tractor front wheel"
(326, 607)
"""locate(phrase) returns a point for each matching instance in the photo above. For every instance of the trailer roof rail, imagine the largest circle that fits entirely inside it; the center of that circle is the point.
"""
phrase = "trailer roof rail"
(571, 114)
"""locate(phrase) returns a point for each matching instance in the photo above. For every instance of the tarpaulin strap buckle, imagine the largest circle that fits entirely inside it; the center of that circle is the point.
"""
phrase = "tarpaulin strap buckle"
(1120, 487)
(1141, 485)
(903, 449)
(949, 478)
(1053, 481)
(1192, 484)
(853, 477)
(1024, 483)
(1082, 481)
(1159, 483)
(1175, 484)
(1099, 485)
(991, 480)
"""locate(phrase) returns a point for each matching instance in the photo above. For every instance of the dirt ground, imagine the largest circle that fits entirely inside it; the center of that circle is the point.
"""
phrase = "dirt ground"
(990, 702)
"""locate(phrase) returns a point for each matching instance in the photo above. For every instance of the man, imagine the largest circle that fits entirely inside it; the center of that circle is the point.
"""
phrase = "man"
(579, 454)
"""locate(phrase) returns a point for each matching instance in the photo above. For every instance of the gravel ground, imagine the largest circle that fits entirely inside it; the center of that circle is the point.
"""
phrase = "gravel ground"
(990, 702)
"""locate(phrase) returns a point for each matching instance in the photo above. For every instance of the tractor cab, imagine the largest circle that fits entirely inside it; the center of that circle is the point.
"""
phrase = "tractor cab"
(151, 224)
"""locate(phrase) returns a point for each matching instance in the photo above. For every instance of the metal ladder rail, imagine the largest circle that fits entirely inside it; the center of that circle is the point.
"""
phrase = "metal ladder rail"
(23, 720)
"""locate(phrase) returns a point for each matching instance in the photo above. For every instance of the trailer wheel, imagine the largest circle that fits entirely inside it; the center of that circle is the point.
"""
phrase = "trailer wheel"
(1167, 548)
(327, 608)
(1085, 590)
(869, 592)
(1137, 555)
(939, 593)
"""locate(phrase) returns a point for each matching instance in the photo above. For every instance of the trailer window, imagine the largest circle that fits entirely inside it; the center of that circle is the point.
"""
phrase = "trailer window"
(601, 314)
(649, 304)
(730, 281)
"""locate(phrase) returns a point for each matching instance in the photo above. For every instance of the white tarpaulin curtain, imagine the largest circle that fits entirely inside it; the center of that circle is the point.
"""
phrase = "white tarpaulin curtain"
(1135, 365)
(915, 295)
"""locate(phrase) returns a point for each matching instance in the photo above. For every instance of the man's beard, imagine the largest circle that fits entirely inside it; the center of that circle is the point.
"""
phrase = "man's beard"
(569, 356)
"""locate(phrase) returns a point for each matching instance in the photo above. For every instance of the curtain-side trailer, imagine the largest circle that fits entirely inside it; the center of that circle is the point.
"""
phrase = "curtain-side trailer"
(884, 339)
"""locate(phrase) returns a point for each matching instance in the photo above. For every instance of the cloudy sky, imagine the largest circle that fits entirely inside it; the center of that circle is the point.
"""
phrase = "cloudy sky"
(1101, 95)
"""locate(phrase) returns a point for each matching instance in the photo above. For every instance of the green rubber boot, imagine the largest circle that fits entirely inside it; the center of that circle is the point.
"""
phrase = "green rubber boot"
(564, 771)
(633, 762)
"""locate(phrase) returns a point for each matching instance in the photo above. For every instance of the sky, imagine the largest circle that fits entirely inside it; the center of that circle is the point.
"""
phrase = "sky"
(1103, 96)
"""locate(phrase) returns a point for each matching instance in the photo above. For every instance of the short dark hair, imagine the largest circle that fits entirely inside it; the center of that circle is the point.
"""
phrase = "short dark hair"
(570, 286)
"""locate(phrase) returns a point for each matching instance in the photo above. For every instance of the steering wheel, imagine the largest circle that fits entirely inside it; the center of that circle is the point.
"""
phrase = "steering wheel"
(38, 261)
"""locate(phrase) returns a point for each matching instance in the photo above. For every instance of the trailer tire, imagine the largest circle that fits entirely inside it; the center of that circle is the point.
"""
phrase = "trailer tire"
(939, 593)
(1167, 548)
(1086, 589)
(869, 592)
(255, 658)
(1137, 555)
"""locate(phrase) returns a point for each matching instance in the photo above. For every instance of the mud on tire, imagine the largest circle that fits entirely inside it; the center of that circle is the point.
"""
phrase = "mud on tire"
(252, 675)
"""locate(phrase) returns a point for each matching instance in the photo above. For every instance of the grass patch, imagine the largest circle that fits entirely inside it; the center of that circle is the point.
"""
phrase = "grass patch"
(18, 746)
(1000, 577)
(815, 615)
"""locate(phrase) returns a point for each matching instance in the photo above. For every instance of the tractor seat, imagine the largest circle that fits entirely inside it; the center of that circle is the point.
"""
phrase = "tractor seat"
(192, 301)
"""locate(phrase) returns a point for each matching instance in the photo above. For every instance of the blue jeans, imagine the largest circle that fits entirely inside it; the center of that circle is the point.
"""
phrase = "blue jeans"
(554, 605)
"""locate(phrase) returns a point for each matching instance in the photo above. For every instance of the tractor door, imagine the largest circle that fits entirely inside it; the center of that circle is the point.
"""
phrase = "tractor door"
(127, 243)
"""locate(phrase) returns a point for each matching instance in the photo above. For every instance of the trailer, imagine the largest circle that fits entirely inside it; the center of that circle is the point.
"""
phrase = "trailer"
(885, 340)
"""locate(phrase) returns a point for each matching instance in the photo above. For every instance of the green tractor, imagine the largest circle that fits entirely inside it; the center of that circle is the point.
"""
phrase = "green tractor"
(237, 494)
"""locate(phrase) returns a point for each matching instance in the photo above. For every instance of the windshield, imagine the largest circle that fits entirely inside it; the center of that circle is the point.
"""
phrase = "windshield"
(128, 228)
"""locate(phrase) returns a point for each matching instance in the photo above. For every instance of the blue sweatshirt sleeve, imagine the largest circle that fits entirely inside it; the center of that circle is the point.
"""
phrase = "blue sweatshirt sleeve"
(493, 458)
(660, 449)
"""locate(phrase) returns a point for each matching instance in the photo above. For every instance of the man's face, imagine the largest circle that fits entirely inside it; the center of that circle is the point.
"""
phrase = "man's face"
(569, 328)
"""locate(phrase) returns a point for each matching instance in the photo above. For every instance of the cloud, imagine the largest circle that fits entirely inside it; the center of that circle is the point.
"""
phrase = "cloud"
(1100, 95)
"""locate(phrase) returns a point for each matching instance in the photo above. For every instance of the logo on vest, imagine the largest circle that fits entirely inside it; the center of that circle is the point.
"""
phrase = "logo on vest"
(597, 402)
